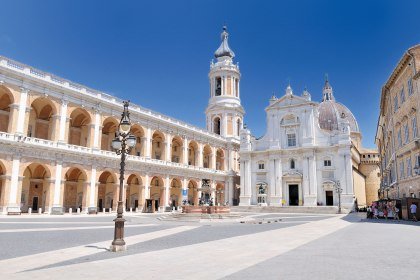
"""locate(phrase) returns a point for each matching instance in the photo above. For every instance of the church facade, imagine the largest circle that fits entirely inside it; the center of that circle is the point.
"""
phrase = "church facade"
(310, 155)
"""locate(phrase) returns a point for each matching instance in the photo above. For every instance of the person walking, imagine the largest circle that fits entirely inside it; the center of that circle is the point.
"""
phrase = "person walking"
(375, 212)
(396, 211)
(413, 211)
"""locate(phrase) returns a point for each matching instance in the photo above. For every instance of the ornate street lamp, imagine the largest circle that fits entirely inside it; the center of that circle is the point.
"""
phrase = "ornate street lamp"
(122, 144)
(339, 190)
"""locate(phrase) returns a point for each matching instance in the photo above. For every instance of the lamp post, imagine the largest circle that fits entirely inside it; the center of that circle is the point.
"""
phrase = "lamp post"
(122, 144)
(339, 190)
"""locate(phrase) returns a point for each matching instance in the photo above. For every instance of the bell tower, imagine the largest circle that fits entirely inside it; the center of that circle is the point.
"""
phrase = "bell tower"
(224, 111)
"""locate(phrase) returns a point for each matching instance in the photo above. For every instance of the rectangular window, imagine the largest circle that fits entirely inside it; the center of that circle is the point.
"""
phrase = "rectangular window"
(406, 134)
(414, 125)
(402, 96)
(402, 170)
(395, 103)
(399, 138)
(260, 166)
(409, 173)
(410, 86)
(291, 140)
(327, 162)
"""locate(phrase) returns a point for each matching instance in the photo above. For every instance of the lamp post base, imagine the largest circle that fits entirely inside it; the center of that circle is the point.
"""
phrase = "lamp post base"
(117, 248)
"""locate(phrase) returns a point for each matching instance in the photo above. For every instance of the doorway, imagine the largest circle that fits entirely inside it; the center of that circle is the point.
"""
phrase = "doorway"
(35, 203)
(293, 195)
(329, 199)
(100, 205)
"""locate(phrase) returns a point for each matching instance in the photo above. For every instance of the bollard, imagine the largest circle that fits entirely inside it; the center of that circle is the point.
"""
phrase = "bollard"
(39, 210)
(103, 210)
(30, 211)
(110, 210)
(70, 210)
(131, 210)
(78, 210)
(137, 209)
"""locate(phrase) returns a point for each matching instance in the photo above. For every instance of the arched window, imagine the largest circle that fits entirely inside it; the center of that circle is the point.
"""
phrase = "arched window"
(292, 164)
(218, 87)
(238, 126)
(216, 125)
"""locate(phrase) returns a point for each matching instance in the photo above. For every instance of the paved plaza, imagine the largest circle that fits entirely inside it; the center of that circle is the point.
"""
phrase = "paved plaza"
(266, 246)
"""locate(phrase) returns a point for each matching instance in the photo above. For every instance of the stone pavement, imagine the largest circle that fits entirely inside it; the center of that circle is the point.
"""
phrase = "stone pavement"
(299, 247)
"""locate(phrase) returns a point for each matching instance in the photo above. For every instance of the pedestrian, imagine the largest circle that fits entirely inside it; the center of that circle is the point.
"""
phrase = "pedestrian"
(413, 211)
(385, 211)
(375, 212)
(396, 211)
(369, 212)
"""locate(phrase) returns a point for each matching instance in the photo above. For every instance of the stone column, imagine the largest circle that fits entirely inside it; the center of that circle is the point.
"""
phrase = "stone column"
(185, 151)
(245, 198)
(167, 190)
(223, 85)
(13, 205)
(148, 143)
(93, 192)
(57, 207)
(224, 127)
(63, 121)
(5, 192)
(146, 187)
(200, 155)
(312, 181)
(230, 190)
(54, 131)
(143, 146)
(212, 162)
(21, 120)
(97, 130)
(168, 150)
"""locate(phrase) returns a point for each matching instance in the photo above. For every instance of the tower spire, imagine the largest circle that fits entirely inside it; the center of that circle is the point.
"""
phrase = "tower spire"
(327, 91)
(224, 49)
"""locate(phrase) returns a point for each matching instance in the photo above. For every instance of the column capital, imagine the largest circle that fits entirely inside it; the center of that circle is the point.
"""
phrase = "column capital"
(24, 90)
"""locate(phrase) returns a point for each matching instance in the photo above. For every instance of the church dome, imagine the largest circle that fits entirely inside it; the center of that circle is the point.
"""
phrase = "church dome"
(331, 113)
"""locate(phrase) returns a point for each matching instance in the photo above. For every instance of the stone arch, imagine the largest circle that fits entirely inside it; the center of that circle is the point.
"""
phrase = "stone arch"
(192, 192)
(176, 149)
(79, 127)
(41, 122)
(207, 156)
(216, 125)
(107, 191)
(6, 100)
(158, 145)
(220, 159)
(36, 188)
(134, 192)
(157, 191)
(175, 193)
(109, 130)
(193, 153)
(138, 131)
(75, 190)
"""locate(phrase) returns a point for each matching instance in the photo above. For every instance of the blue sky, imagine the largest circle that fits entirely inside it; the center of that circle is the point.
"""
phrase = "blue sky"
(157, 53)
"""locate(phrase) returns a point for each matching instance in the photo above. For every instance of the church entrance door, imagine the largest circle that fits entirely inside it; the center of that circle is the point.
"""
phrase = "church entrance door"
(329, 200)
(293, 195)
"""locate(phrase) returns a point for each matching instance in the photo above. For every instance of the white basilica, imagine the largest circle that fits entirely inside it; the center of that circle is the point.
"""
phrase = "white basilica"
(309, 151)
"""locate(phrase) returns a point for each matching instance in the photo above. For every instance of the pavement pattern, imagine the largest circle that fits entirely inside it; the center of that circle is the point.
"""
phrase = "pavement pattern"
(299, 246)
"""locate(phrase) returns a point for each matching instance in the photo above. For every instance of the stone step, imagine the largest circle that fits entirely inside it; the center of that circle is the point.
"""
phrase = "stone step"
(287, 209)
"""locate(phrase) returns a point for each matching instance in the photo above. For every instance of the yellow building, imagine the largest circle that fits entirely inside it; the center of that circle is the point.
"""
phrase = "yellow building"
(397, 136)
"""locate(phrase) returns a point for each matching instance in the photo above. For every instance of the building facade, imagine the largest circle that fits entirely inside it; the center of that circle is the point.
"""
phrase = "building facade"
(397, 136)
(310, 155)
(55, 152)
